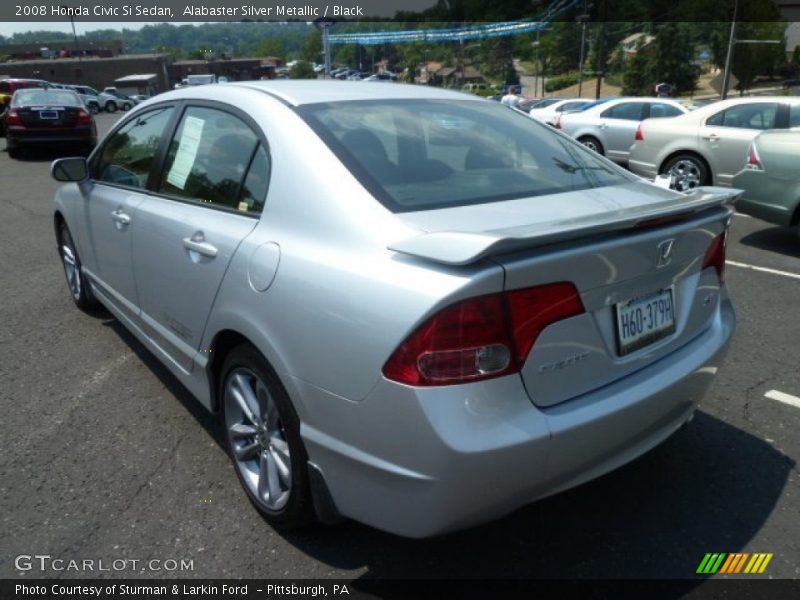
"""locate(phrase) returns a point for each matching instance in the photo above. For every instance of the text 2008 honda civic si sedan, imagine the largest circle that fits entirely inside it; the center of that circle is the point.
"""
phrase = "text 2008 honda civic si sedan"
(410, 307)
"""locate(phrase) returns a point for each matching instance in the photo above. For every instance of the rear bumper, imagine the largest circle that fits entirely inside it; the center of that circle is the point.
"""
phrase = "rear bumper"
(420, 462)
(643, 169)
(767, 199)
(17, 136)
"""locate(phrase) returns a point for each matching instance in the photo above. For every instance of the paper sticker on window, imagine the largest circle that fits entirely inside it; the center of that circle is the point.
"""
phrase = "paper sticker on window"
(187, 152)
(244, 206)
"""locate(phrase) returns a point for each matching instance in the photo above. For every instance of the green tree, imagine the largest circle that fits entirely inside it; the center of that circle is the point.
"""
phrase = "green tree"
(636, 80)
(271, 47)
(312, 49)
(302, 70)
(672, 56)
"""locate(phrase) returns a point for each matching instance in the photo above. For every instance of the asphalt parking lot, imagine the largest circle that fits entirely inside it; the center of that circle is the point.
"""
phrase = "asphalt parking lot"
(105, 456)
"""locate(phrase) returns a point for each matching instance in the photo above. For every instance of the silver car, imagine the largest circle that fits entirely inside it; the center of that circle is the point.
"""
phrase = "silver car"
(609, 128)
(709, 145)
(408, 306)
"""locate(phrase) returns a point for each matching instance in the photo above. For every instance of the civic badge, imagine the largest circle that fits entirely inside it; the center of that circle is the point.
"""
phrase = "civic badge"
(664, 253)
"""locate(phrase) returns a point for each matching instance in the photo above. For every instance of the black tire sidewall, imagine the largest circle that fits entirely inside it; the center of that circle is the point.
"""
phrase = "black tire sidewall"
(297, 511)
(600, 150)
(86, 301)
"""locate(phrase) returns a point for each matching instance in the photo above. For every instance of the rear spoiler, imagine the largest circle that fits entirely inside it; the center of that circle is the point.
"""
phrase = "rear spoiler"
(463, 248)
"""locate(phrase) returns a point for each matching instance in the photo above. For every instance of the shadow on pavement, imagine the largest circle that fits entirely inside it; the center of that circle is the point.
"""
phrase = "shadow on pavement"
(49, 153)
(709, 488)
(781, 240)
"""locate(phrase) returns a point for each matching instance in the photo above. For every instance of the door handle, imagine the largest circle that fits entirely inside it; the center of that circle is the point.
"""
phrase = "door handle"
(603, 126)
(120, 217)
(711, 137)
(198, 244)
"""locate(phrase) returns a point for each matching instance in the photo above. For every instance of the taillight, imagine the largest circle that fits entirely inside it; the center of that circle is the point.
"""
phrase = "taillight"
(482, 337)
(753, 160)
(715, 255)
(84, 118)
(12, 118)
(639, 135)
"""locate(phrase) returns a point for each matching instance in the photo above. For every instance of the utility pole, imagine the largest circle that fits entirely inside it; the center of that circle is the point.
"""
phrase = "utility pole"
(325, 24)
(582, 18)
(601, 51)
(726, 78)
(71, 9)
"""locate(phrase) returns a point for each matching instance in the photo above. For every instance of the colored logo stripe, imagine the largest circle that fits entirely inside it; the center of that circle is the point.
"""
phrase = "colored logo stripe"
(734, 563)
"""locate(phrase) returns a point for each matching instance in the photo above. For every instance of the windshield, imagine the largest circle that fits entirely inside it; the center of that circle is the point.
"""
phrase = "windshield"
(428, 154)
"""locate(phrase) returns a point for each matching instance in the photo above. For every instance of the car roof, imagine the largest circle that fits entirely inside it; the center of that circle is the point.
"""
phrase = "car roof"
(299, 92)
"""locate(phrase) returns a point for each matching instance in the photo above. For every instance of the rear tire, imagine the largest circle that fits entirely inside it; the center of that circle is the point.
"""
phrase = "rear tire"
(15, 153)
(687, 172)
(592, 143)
(93, 108)
(111, 106)
(262, 433)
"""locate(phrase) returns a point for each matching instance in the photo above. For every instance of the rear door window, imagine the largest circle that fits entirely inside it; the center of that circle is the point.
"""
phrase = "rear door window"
(660, 110)
(759, 115)
(208, 159)
(628, 111)
(794, 116)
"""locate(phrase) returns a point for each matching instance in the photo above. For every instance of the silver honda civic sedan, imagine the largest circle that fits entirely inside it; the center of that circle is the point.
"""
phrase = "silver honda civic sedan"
(410, 307)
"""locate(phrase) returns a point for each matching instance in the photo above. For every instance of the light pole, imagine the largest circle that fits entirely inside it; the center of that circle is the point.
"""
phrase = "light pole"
(70, 10)
(726, 78)
(582, 20)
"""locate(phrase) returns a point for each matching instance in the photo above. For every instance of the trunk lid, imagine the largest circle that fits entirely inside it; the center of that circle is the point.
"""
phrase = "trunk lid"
(48, 117)
(625, 248)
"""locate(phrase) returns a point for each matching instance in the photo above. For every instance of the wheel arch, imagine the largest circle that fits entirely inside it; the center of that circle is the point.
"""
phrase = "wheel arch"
(695, 153)
(223, 342)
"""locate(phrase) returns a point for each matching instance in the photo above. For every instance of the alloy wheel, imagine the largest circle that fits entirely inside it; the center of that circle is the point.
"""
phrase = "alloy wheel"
(686, 174)
(257, 439)
(71, 265)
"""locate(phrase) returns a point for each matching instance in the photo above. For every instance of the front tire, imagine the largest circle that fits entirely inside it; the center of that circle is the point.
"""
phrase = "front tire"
(111, 106)
(262, 432)
(687, 172)
(76, 282)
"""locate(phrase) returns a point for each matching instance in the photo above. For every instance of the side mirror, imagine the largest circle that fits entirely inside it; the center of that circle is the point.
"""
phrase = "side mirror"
(70, 169)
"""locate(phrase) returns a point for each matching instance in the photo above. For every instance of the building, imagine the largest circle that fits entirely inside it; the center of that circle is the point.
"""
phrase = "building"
(62, 49)
(234, 69)
(635, 43)
(95, 72)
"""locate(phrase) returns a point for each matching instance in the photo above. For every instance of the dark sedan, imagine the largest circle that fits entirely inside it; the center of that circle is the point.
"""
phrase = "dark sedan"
(38, 117)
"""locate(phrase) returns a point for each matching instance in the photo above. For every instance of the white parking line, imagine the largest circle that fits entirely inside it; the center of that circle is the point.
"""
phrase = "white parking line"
(785, 398)
(763, 269)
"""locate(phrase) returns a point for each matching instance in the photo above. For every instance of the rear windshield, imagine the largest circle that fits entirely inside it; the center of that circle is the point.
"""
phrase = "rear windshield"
(36, 96)
(427, 154)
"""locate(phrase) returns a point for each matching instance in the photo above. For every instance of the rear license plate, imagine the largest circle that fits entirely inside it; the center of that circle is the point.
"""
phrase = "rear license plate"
(642, 321)
(48, 114)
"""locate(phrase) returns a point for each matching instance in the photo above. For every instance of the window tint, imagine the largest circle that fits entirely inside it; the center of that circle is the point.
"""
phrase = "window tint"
(746, 116)
(208, 157)
(570, 106)
(128, 154)
(630, 111)
(427, 154)
(254, 189)
(660, 110)
(794, 115)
